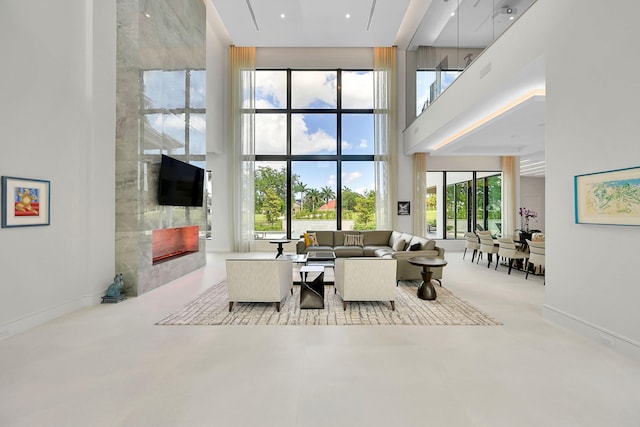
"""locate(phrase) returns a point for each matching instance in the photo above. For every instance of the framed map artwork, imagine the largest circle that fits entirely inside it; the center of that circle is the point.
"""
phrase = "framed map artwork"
(611, 197)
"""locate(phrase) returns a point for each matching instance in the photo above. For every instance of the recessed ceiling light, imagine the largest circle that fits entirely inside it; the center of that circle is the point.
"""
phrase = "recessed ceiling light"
(347, 16)
(453, 14)
(282, 15)
(147, 15)
(511, 18)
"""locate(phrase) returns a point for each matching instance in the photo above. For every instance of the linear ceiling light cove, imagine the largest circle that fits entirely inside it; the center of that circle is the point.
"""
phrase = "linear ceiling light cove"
(532, 164)
(537, 168)
(488, 118)
(253, 16)
(373, 8)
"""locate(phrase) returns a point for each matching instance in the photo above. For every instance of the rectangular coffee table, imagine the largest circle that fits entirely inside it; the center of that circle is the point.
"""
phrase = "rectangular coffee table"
(295, 258)
(324, 258)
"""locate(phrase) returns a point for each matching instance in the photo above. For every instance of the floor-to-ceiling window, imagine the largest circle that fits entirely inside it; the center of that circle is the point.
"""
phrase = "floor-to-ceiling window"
(314, 151)
(459, 202)
(489, 201)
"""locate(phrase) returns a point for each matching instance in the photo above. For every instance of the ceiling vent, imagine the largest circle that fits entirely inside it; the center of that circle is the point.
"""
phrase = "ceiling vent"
(373, 8)
(253, 16)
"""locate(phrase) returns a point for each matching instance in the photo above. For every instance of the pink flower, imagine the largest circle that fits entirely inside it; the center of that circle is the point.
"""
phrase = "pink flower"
(526, 213)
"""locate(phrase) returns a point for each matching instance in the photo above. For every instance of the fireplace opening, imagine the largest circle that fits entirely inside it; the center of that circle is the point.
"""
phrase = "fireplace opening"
(171, 243)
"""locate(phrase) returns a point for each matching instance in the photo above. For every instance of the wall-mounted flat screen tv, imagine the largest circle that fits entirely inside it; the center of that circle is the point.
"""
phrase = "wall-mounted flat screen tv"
(181, 184)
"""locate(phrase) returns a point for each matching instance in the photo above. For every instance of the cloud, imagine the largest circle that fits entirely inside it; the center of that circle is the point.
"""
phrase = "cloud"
(348, 178)
(271, 89)
(357, 89)
(313, 89)
(271, 133)
(346, 146)
(273, 165)
(363, 143)
(307, 143)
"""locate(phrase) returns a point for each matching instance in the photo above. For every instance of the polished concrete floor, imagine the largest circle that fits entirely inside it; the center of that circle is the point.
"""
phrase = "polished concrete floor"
(109, 365)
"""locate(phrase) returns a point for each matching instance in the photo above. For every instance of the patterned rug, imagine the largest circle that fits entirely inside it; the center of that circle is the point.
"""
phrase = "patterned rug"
(212, 308)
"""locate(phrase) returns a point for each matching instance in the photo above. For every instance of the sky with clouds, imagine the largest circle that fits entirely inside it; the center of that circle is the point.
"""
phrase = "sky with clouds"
(317, 133)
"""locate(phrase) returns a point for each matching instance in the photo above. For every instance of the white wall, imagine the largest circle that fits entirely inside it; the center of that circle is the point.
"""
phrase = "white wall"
(532, 197)
(314, 58)
(592, 115)
(464, 163)
(57, 115)
(404, 168)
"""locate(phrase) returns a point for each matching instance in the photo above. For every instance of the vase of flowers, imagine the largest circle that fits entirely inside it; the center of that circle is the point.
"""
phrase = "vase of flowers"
(525, 216)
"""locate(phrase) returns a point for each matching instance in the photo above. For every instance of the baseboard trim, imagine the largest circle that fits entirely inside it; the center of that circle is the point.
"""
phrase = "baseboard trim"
(601, 335)
(41, 317)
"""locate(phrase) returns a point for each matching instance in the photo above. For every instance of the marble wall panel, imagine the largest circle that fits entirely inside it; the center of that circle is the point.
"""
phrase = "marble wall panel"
(171, 37)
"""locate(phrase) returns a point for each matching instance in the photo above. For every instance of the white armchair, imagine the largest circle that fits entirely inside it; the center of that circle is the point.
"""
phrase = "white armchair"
(366, 279)
(259, 280)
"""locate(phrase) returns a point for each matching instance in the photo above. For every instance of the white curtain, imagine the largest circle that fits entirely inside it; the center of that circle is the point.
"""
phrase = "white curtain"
(509, 175)
(420, 194)
(385, 123)
(243, 66)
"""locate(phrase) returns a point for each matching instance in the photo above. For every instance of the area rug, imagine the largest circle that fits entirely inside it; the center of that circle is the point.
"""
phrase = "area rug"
(212, 308)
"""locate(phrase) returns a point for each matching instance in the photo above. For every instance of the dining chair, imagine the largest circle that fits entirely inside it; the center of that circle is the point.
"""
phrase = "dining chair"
(487, 246)
(472, 243)
(536, 256)
(508, 250)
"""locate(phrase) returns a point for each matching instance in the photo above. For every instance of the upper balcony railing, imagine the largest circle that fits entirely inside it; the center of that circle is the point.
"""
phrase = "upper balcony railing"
(452, 34)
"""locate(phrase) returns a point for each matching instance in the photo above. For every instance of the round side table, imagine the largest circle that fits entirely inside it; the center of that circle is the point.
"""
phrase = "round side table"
(426, 290)
(279, 242)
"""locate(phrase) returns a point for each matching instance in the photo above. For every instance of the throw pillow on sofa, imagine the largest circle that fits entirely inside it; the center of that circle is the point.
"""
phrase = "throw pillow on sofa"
(310, 239)
(353, 240)
(415, 247)
(399, 245)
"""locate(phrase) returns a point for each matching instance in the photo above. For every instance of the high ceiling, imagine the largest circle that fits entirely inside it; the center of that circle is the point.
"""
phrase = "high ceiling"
(406, 24)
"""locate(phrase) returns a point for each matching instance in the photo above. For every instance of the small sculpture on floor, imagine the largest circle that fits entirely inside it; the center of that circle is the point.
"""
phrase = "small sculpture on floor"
(114, 291)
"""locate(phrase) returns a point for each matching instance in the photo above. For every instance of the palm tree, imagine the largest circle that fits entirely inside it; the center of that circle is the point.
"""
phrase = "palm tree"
(314, 196)
(327, 194)
(301, 188)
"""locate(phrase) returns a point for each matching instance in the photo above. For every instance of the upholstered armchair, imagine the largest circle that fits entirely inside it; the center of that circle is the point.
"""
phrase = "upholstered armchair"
(509, 251)
(259, 280)
(366, 279)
